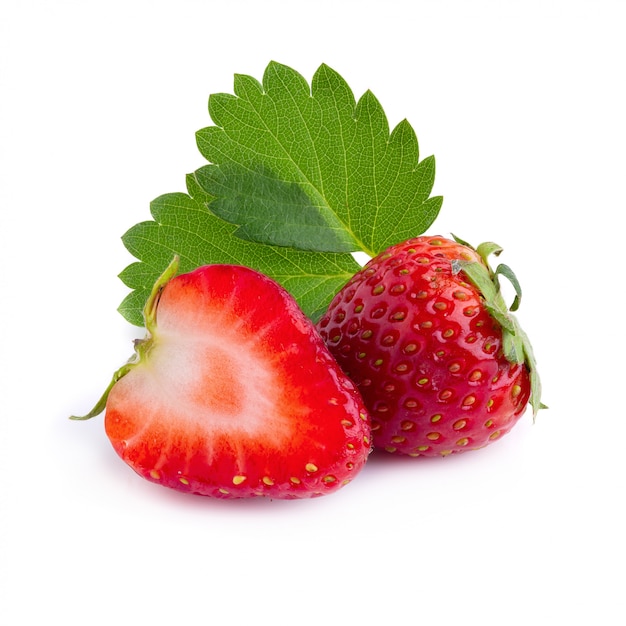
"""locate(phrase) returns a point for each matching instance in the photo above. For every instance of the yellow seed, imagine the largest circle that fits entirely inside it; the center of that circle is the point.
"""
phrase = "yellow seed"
(329, 479)
(155, 474)
(469, 400)
(516, 390)
(494, 435)
(459, 424)
(433, 436)
(435, 418)
(183, 480)
(311, 467)
(462, 442)
(390, 449)
(295, 481)
(423, 448)
(224, 491)
(237, 480)
(398, 439)
(267, 481)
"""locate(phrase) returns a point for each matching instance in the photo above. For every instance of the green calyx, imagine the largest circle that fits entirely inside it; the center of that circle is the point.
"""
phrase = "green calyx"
(142, 346)
(516, 345)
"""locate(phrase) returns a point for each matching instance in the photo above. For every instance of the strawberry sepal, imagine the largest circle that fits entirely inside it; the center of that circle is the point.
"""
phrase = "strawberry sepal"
(142, 346)
(516, 345)
(101, 404)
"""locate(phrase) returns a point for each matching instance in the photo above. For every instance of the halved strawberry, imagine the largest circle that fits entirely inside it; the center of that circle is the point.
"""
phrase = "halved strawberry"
(233, 393)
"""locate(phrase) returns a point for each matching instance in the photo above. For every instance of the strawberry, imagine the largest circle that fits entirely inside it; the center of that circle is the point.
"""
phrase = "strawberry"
(424, 332)
(233, 393)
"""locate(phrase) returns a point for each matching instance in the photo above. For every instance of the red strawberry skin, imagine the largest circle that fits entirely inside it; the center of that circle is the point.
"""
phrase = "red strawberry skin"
(235, 395)
(425, 353)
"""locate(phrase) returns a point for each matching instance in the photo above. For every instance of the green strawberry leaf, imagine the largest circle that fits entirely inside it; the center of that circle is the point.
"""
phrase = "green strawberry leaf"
(309, 167)
(298, 178)
(183, 226)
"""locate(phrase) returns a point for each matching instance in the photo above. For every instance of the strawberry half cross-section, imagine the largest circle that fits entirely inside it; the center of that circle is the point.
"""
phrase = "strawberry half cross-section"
(233, 393)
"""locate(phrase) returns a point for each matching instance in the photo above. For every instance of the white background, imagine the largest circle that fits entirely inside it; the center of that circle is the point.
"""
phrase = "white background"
(522, 104)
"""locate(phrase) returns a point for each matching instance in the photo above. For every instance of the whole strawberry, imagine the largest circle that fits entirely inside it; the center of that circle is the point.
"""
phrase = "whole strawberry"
(233, 393)
(441, 362)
